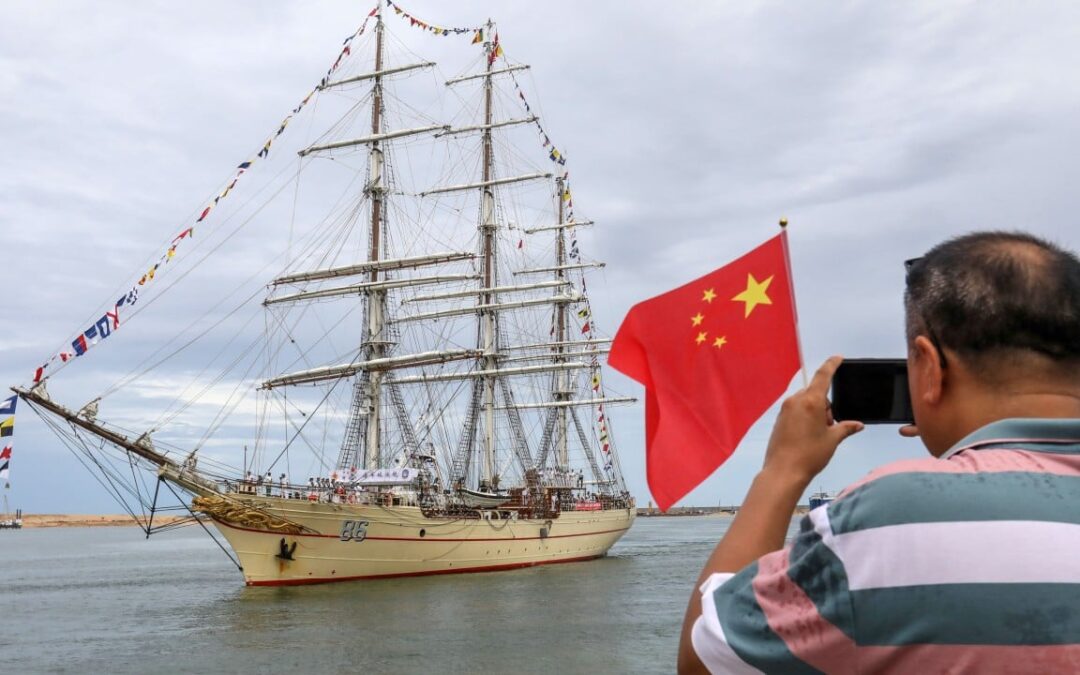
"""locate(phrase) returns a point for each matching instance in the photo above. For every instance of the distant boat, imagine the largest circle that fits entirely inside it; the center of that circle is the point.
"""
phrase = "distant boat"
(9, 520)
(820, 499)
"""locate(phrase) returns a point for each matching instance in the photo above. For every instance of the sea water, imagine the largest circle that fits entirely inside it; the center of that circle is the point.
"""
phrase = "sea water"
(107, 600)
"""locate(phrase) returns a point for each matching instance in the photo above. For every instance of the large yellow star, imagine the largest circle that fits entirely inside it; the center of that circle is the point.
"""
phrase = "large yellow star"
(697, 319)
(754, 294)
(701, 337)
(710, 293)
(719, 342)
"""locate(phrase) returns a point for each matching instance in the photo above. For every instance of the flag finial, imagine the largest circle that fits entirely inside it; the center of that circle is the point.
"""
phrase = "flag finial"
(783, 222)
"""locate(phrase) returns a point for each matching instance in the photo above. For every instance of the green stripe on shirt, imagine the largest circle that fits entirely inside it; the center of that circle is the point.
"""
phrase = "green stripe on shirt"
(968, 614)
(924, 497)
(747, 631)
(820, 574)
(1050, 430)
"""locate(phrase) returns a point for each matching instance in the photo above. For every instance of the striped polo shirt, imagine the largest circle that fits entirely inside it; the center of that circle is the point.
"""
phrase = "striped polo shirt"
(967, 563)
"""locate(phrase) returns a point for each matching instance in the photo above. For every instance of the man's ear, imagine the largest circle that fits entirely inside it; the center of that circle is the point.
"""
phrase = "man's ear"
(929, 378)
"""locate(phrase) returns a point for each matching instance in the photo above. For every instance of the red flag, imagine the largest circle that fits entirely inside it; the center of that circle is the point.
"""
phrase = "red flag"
(713, 356)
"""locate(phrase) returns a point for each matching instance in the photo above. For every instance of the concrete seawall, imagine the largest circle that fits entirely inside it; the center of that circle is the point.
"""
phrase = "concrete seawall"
(801, 509)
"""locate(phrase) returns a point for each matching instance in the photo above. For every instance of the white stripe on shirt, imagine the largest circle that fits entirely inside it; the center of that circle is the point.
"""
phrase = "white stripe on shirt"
(708, 637)
(959, 552)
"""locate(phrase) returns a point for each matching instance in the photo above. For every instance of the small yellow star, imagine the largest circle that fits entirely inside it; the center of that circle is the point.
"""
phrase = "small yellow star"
(701, 337)
(710, 293)
(719, 342)
(698, 319)
(754, 294)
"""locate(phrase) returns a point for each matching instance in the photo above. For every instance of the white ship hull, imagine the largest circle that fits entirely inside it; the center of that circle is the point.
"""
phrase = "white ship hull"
(399, 541)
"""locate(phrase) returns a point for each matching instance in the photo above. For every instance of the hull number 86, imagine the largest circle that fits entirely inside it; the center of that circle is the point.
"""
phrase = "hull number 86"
(354, 530)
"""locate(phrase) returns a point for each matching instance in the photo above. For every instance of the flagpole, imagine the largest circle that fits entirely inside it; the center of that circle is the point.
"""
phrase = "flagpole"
(791, 289)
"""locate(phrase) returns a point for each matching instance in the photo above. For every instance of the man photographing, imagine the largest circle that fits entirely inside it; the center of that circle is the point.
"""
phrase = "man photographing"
(967, 561)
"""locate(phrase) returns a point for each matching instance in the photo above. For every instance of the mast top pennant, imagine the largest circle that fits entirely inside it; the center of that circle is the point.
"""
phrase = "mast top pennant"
(477, 33)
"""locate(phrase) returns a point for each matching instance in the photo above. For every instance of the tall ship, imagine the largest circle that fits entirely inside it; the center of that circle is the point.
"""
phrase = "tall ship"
(411, 383)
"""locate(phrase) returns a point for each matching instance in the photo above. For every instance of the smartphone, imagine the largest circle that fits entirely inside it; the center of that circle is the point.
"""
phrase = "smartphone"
(872, 391)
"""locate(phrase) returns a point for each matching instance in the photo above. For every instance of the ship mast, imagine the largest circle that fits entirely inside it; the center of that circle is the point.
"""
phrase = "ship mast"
(376, 340)
(488, 331)
(562, 390)
(365, 419)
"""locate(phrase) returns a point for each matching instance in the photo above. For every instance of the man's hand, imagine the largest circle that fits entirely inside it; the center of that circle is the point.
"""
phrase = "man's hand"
(805, 436)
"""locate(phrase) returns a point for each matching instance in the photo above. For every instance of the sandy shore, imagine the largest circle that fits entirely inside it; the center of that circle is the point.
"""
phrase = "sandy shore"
(79, 520)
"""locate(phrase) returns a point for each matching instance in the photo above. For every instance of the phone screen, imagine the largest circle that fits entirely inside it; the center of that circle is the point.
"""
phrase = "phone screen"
(872, 391)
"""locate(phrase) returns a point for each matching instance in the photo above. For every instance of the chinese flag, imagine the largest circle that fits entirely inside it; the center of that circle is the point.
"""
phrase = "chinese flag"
(713, 355)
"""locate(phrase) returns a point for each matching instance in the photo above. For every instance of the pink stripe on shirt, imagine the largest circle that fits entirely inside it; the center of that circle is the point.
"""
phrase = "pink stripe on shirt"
(980, 461)
(981, 659)
(792, 615)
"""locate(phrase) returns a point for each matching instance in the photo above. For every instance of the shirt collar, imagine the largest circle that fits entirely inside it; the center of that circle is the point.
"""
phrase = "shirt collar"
(1021, 430)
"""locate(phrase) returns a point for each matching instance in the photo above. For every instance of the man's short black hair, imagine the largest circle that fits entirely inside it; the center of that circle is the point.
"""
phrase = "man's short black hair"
(997, 292)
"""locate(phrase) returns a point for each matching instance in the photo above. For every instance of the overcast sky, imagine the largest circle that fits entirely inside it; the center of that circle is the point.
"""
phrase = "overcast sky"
(878, 129)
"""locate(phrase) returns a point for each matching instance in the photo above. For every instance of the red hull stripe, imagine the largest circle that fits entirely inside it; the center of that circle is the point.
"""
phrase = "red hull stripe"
(463, 570)
(430, 539)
